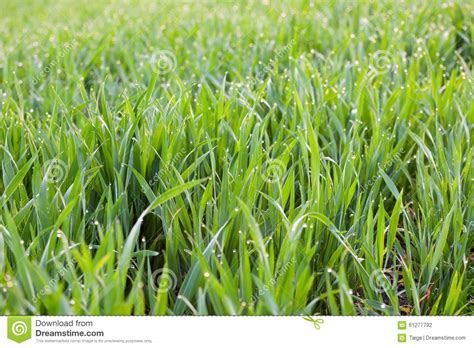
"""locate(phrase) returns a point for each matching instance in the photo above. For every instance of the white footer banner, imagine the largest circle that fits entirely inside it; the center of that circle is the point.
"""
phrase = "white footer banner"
(213, 331)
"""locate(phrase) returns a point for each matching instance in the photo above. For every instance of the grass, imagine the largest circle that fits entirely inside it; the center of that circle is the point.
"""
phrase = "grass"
(243, 158)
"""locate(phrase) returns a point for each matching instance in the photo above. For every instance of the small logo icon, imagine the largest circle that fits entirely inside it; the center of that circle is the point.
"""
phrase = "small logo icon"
(164, 280)
(402, 325)
(55, 170)
(381, 61)
(273, 170)
(19, 329)
(163, 62)
(402, 338)
(317, 322)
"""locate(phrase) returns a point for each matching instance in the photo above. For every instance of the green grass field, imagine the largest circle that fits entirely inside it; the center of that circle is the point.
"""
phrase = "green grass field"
(236, 158)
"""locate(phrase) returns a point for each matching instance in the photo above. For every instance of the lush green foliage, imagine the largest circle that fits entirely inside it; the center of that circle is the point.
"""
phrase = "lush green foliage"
(236, 158)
